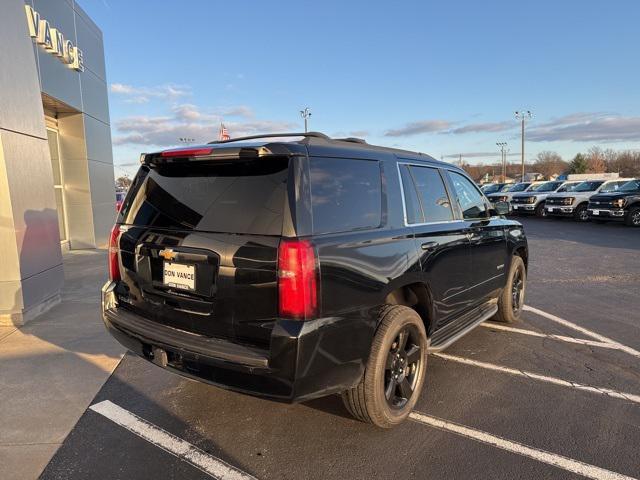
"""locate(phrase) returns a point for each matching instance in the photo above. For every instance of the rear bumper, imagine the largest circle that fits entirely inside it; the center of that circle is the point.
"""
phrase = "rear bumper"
(306, 359)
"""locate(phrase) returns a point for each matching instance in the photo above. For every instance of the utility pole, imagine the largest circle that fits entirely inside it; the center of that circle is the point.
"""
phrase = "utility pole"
(503, 158)
(523, 116)
(306, 113)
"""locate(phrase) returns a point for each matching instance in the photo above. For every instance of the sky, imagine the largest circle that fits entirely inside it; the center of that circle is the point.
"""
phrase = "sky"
(438, 77)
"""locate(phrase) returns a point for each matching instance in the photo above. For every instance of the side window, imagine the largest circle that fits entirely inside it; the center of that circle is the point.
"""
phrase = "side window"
(432, 194)
(412, 204)
(345, 194)
(470, 199)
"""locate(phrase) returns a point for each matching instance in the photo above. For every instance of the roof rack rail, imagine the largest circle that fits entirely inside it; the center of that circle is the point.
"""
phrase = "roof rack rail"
(270, 135)
(351, 140)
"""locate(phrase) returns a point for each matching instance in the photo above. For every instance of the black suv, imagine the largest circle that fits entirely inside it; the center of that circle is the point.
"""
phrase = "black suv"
(622, 205)
(295, 266)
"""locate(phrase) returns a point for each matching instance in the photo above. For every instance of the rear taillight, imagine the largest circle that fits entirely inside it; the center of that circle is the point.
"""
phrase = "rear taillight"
(114, 266)
(297, 279)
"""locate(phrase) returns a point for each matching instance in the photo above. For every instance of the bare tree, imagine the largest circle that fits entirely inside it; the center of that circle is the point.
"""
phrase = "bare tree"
(596, 160)
(123, 182)
(549, 163)
(626, 163)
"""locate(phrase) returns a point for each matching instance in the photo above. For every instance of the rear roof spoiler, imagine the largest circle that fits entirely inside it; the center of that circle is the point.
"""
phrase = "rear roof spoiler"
(273, 135)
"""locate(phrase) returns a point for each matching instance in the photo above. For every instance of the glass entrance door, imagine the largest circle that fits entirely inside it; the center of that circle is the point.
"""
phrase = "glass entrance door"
(56, 164)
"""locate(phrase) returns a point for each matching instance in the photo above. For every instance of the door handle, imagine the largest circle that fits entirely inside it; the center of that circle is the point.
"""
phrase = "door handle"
(429, 245)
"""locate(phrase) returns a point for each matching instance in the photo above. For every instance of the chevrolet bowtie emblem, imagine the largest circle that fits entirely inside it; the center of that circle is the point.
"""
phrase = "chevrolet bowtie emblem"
(167, 254)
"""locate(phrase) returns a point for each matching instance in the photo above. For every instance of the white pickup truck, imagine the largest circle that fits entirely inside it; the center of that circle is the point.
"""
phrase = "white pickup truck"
(574, 203)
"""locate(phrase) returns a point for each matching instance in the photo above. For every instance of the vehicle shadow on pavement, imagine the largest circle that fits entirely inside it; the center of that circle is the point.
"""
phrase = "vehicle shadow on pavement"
(99, 448)
(332, 405)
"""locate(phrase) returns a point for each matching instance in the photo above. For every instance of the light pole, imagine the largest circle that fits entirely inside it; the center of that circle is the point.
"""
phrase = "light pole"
(306, 113)
(523, 115)
(503, 158)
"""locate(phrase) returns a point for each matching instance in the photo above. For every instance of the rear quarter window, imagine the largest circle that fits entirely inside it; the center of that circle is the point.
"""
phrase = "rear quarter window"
(346, 194)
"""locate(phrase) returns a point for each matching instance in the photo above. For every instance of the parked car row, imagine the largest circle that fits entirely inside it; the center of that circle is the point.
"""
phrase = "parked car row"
(598, 200)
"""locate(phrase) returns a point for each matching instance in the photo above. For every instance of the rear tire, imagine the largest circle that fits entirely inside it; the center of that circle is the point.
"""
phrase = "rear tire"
(512, 297)
(395, 371)
(633, 217)
(541, 212)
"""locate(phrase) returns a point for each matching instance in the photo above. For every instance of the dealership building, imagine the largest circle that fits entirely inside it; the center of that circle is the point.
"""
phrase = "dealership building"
(56, 163)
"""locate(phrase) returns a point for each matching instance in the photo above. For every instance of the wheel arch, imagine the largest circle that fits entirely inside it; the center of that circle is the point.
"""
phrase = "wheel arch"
(415, 295)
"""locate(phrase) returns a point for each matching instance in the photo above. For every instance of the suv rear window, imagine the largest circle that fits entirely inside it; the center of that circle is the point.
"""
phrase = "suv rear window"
(346, 194)
(237, 197)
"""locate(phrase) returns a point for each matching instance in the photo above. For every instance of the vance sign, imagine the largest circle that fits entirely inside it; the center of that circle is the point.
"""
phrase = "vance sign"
(53, 40)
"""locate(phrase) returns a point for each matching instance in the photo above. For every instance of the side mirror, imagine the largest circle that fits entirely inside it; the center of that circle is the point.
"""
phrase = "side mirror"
(502, 208)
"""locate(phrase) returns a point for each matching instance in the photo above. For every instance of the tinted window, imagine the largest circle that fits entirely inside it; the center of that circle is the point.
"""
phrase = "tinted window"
(431, 194)
(587, 186)
(412, 204)
(239, 197)
(520, 187)
(345, 194)
(611, 186)
(470, 199)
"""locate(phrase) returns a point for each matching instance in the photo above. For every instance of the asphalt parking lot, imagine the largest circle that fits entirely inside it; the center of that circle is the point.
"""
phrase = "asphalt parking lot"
(555, 396)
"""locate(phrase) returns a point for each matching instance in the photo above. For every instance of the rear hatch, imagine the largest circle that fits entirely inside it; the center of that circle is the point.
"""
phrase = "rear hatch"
(199, 242)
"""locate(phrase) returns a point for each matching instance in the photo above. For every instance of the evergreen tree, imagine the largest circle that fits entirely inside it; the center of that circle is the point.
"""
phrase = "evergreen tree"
(579, 164)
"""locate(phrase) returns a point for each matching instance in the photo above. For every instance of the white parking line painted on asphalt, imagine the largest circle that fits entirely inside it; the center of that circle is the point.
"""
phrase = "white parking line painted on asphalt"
(562, 338)
(169, 443)
(543, 378)
(559, 461)
(578, 328)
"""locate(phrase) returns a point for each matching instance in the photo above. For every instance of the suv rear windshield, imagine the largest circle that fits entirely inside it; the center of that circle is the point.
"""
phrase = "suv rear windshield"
(236, 197)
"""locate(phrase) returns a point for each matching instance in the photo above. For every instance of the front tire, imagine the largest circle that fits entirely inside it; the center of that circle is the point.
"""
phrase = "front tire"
(581, 214)
(511, 299)
(395, 371)
(633, 217)
(541, 212)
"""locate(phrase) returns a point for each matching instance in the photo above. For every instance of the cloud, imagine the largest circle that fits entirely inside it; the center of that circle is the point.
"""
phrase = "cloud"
(415, 128)
(359, 133)
(189, 121)
(485, 127)
(587, 127)
(135, 94)
(479, 154)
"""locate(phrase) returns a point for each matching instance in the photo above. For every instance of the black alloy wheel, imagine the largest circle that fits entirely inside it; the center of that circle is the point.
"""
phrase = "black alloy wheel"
(403, 367)
(517, 291)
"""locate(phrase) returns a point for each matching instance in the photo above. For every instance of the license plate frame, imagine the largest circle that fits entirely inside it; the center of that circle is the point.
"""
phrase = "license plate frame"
(595, 212)
(179, 275)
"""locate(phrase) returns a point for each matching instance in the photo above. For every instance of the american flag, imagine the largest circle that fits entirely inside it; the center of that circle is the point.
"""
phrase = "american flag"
(224, 133)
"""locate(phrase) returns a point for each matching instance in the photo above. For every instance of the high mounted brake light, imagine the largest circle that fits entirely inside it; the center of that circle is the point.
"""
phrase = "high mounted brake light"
(297, 282)
(187, 152)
